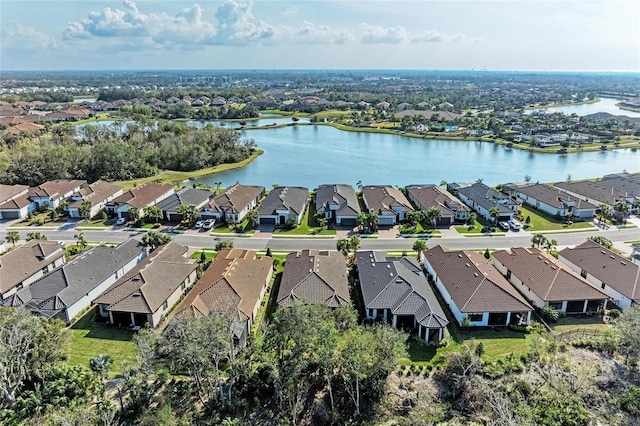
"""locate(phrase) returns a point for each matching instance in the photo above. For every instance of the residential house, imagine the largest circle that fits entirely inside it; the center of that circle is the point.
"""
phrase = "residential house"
(233, 204)
(146, 293)
(596, 193)
(282, 203)
(14, 203)
(427, 196)
(233, 285)
(312, 276)
(339, 203)
(388, 202)
(482, 199)
(554, 201)
(474, 290)
(68, 290)
(145, 195)
(53, 192)
(99, 193)
(397, 289)
(546, 282)
(185, 196)
(27, 263)
(614, 275)
(625, 182)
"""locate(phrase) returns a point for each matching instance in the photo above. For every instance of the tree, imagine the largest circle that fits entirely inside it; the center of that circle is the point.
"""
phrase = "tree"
(361, 220)
(221, 245)
(153, 239)
(419, 246)
(416, 216)
(252, 218)
(12, 237)
(433, 215)
(85, 209)
(494, 213)
(444, 183)
(359, 185)
(36, 236)
(603, 241)
(343, 246)
(527, 178)
(550, 245)
(217, 184)
(153, 211)
(101, 365)
(354, 243)
(603, 212)
(538, 240)
(134, 214)
(81, 242)
(621, 208)
(487, 254)
(479, 180)
(189, 213)
(473, 217)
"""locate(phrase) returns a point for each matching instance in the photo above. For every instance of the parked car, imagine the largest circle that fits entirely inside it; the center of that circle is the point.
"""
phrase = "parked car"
(515, 225)
(121, 221)
(208, 224)
(504, 226)
(198, 224)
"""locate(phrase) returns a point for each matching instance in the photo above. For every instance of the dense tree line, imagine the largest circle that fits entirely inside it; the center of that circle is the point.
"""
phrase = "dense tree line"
(118, 152)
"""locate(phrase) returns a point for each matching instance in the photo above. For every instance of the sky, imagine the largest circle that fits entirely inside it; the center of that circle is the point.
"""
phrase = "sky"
(539, 35)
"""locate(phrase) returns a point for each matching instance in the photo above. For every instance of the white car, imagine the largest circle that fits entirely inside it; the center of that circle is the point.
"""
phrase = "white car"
(121, 221)
(515, 225)
(199, 224)
(208, 224)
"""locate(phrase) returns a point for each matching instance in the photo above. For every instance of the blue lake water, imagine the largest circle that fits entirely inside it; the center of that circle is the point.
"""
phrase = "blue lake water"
(605, 105)
(313, 155)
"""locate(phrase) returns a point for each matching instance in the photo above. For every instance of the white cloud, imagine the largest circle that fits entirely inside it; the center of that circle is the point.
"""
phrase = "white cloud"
(378, 34)
(289, 11)
(311, 33)
(239, 26)
(431, 36)
(15, 35)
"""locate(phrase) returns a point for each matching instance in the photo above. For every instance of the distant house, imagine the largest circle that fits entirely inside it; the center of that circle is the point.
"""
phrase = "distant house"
(547, 282)
(27, 263)
(388, 202)
(614, 275)
(233, 204)
(147, 194)
(481, 198)
(282, 203)
(595, 193)
(339, 203)
(14, 203)
(313, 276)
(69, 289)
(146, 293)
(98, 194)
(555, 202)
(396, 289)
(625, 182)
(474, 289)
(234, 285)
(185, 196)
(427, 196)
(53, 192)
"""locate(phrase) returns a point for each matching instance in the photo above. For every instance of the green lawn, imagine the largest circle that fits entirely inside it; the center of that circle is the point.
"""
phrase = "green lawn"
(209, 254)
(308, 226)
(89, 341)
(541, 221)
(572, 322)
(97, 223)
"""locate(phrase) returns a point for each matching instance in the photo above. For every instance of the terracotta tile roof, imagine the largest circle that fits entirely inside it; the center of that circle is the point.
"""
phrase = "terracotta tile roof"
(143, 195)
(235, 198)
(26, 260)
(473, 283)
(383, 198)
(398, 284)
(231, 286)
(313, 276)
(427, 196)
(96, 193)
(16, 203)
(612, 269)
(145, 288)
(546, 276)
(56, 189)
(7, 192)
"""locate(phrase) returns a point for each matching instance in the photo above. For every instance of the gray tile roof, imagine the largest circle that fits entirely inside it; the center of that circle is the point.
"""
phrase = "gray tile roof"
(399, 285)
(473, 283)
(383, 197)
(184, 196)
(553, 197)
(235, 198)
(290, 198)
(70, 282)
(594, 191)
(545, 276)
(313, 276)
(630, 184)
(487, 197)
(612, 269)
(343, 196)
(427, 196)
(26, 260)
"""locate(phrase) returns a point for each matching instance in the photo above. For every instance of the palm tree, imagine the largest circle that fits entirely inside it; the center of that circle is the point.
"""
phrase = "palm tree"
(372, 220)
(189, 213)
(538, 240)
(252, 218)
(359, 185)
(218, 184)
(479, 180)
(81, 242)
(444, 183)
(342, 245)
(494, 212)
(12, 237)
(153, 211)
(354, 243)
(419, 247)
(101, 365)
(36, 236)
(434, 214)
(621, 208)
(362, 220)
(550, 245)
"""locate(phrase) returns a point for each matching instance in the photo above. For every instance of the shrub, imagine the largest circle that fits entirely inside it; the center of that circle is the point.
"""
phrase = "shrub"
(221, 245)
(630, 400)
(550, 314)
(614, 313)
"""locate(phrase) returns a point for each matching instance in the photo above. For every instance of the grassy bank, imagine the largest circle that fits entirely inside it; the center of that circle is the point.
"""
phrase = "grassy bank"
(176, 178)
(591, 101)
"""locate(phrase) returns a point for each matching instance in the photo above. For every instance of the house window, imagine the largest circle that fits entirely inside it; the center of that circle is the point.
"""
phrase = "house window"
(556, 305)
(19, 287)
(45, 270)
(476, 317)
(183, 285)
(165, 305)
(603, 285)
(508, 274)
(583, 273)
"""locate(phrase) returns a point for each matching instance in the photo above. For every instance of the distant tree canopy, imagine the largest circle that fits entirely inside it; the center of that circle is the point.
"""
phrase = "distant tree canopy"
(119, 152)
